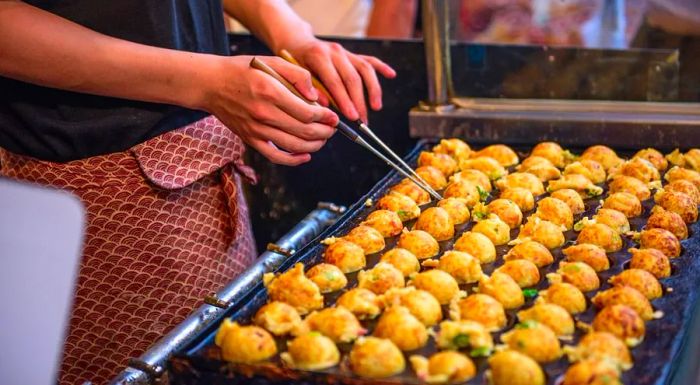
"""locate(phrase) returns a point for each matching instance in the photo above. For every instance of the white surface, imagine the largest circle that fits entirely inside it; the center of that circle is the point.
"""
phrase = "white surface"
(41, 234)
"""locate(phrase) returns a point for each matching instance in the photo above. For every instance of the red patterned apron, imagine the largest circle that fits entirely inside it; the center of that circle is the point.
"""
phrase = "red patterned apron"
(166, 225)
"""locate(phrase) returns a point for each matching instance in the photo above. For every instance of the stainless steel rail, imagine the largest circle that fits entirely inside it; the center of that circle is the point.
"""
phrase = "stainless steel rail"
(151, 365)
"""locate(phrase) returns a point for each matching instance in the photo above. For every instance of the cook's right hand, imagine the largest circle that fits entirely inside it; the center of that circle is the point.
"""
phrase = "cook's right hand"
(267, 116)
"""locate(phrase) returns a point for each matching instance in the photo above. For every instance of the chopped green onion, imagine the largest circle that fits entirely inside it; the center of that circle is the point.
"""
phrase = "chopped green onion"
(461, 340)
(530, 293)
(480, 352)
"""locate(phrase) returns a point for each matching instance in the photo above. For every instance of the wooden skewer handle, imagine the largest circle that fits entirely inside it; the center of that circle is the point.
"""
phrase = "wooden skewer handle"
(286, 55)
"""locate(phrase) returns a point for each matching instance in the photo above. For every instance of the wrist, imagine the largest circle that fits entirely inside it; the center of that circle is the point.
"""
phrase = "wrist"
(202, 82)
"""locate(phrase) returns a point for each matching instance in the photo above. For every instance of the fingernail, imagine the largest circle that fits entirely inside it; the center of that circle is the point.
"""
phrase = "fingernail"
(353, 114)
(314, 94)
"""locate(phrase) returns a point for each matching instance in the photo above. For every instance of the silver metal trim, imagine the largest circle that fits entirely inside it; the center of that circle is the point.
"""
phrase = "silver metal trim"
(436, 28)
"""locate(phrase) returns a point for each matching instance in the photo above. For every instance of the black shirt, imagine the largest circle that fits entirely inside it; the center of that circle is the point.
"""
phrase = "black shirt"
(57, 125)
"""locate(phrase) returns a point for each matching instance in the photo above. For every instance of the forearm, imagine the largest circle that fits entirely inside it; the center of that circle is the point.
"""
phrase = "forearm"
(392, 19)
(42, 48)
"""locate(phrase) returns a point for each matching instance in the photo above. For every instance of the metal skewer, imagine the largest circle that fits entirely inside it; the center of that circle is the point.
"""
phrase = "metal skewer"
(344, 128)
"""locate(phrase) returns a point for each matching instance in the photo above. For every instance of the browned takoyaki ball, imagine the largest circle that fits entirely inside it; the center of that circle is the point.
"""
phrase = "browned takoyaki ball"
(679, 203)
(580, 275)
(616, 220)
(662, 240)
(628, 184)
(336, 323)
(625, 203)
(545, 232)
(534, 161)
(507, 211)
(348, 256)
(622, 322)
(368, 238)
(555, 211)
(463, 189)
(456, 208)
(327, 277)
(244, 343)
(443, 162)
(438, 283)
(565, 295)
(488, 166)
(456, 148)
(651, 260)
(639, 168)
(380, 278)
(436, 222)
(679, 173)
(552, 152)
(578, 182)
(294, 288)
(443, 367)
(403, 260)
(592, 372)
(668, 220)
(520, 196)
(534, 340)
(571, 198)
(654, 157)
(592, 255)
(411, 190)
(544, 173)
(387, 222)
(521, 179)
(278, 318)
(481, 308)
(603, 155)
(502, 153)
(432, 176)
(419, 302)
(478, 245)
(523, 272)
(402, 328)
(588, 168)
(363, 303)
(503, 288)
(686, 187)
(420, 243)
(494, 228)
(462, 266)
(532, 251)
(692, 159)
(311, 351)
(625, 295)
(476, 177)
(509, 367)
(373, 357)
(642, 280)
(402, 205)
(465, 334)
(602, 345)
(601, 235)
(553, 316)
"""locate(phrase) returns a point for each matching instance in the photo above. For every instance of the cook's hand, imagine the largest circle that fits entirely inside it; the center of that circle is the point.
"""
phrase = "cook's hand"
(344, 74)
(267, 116)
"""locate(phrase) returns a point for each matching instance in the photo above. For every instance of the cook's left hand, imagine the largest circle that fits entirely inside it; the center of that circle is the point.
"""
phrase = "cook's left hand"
(344, 74)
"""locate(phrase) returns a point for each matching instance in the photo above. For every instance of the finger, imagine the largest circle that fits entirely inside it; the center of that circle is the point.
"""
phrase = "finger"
(277, 156)
(329, 76)
(352, 81)
(280, 97)
(298, 76)
(289, 142)
(279, 119)
(380, 66)
(369, 77)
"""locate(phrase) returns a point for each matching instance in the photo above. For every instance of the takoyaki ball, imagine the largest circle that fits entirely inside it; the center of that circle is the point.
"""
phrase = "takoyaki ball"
(651, 260)
(432, 176)
(553, 316)
(686, 187)
(402, 205)
(520, 196)
(625, 203)
(550, 235)
(327, 277)
(601, 345)
(534, 161)
(244, 344)
(679, 203)
(503, 288)
(509, 367)
(534, 340)
(544, 173)
(442, 162)
(662, 240)
(294, 288)
(456, 148)
(523, 272)
(639, 168)
(420, 243)
(463, 189)
(654, 157)
(552, 152)
(676, 158)
(436, 222)
(477, 245)
(456, 208)
(461, 266)
(521, 179)
(600, 235)
(591, 169)
(363, 303)
(668, 220)
(692, 159)
(458, 335)
(531, 251)
(592, 372)
(679, 173)
(571, 198)
(625, 295)
(603, 155)
(348, 256)
(580, 275)
(411, 190)
(628, 184)
(502, 153)
(488, 166)
(438, 283)
(555, 211)
(577, 182)
(614, 219)
(443, 367)
(336, 323)
(278, 318)
(494, 228)
(642, 280)
(476, 177)
(592, 255)
(380, 278)
(565, 295)
(507, 211)
(419, 302)
(622, 322)
(373, 357)
(311, 351)
(387, 222)
(403, 260)
(481, 308)
(398, 325)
